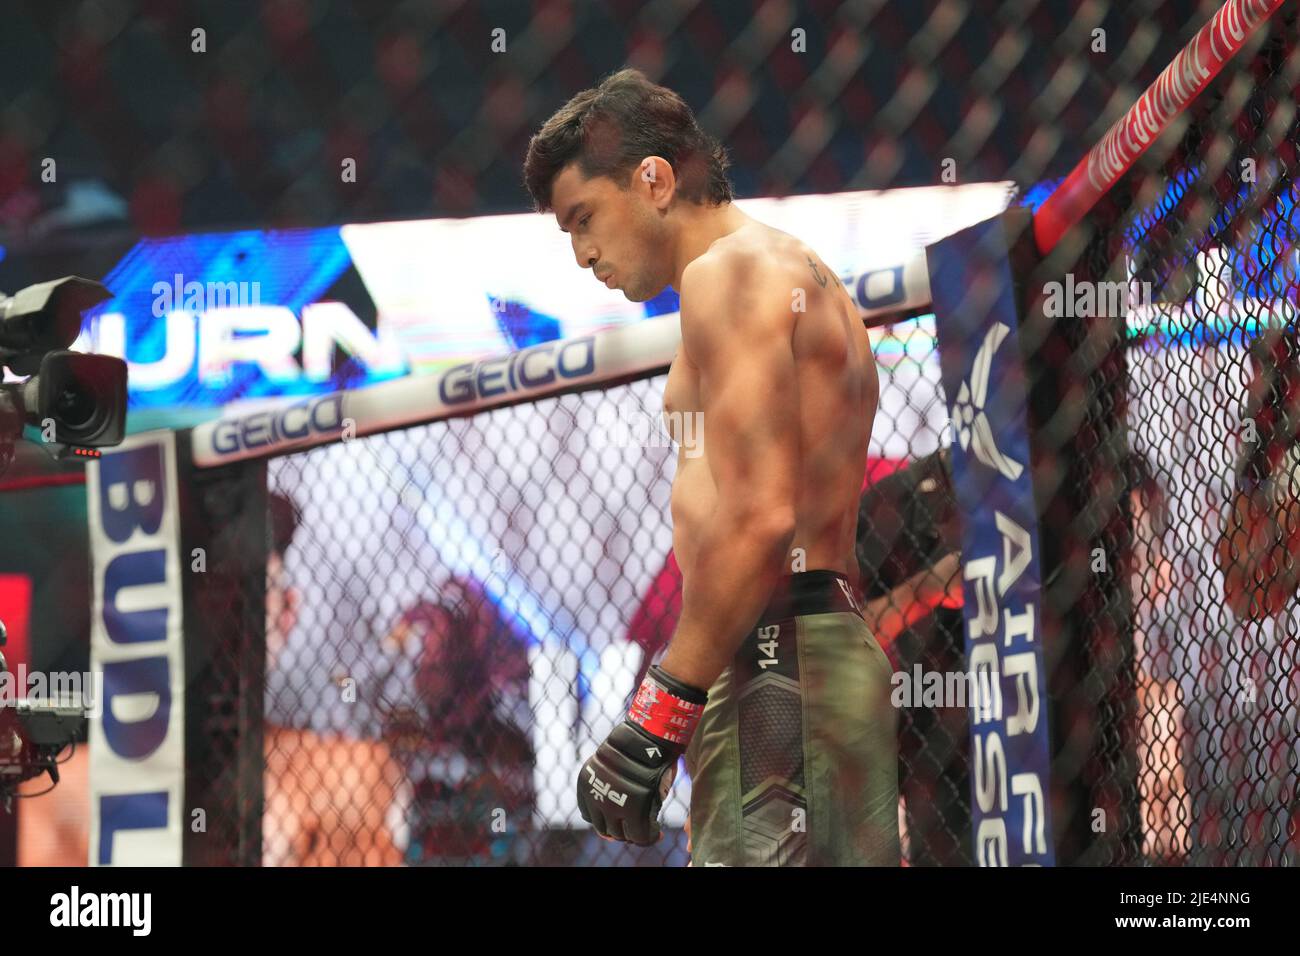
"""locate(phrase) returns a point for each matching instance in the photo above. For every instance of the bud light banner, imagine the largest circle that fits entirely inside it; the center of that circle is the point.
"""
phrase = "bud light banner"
(984, 379)
(137, 747)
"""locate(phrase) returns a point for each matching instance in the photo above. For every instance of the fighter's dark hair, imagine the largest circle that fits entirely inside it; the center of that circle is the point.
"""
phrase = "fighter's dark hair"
(609, 129)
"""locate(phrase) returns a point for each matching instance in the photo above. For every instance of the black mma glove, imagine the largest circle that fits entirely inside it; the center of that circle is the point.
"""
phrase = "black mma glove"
(622, 787)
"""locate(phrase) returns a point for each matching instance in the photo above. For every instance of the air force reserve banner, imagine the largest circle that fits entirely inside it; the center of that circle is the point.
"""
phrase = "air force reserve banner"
(976, 309)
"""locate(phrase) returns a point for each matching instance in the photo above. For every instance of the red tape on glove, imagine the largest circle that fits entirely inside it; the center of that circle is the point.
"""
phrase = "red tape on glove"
(661, 713)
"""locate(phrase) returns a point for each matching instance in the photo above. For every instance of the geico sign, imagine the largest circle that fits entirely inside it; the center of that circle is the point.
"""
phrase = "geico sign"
(536, 367)
(313, 416)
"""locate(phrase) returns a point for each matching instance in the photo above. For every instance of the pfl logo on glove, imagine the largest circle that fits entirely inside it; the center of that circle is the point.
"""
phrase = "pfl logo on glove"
(600, 789)
(639, 757)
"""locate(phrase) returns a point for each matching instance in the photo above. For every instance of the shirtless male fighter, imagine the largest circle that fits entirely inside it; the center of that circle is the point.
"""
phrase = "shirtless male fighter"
(773, 686)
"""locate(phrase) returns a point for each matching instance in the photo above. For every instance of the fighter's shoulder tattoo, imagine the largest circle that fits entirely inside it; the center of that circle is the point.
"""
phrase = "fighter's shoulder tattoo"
(821, 279)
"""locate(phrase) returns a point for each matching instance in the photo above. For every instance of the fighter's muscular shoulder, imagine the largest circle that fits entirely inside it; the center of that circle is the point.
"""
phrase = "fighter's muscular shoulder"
(744, 284)
(758, 284)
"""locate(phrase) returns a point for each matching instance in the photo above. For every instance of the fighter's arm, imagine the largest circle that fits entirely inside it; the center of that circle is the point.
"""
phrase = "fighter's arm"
(737, 329)
(938, 586)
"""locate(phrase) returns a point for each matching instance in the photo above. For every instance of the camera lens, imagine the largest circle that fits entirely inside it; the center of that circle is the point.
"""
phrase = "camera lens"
(75, 405)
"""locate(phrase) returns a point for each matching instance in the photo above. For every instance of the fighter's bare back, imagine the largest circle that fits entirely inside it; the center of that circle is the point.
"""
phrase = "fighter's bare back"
(837, 389)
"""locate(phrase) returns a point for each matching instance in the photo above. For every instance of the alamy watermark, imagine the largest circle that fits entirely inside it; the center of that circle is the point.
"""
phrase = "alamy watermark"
(922, 688)
(623, 425)
(54, 688)
(192, 296)
(1086, 299)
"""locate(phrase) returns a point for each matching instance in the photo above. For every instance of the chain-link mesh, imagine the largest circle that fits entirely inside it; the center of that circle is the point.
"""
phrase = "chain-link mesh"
(467, 606)
(908, 544)
(463, 608)
(473, 599)
(435, 107)
(1202, 234)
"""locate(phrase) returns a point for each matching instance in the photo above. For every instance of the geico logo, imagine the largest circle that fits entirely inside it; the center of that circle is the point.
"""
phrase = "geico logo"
(536, 367)
(319, 416)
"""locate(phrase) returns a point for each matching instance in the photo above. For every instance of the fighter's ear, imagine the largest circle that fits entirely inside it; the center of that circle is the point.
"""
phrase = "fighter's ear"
(658, 176)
